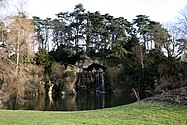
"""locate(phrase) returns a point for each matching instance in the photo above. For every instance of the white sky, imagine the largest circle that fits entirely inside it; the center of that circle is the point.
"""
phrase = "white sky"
(158, 10)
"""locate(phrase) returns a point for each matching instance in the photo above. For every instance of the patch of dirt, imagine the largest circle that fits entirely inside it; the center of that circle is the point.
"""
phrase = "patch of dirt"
(173, 97)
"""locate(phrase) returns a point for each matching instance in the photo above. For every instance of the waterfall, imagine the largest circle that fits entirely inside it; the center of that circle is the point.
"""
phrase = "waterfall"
(100, 82)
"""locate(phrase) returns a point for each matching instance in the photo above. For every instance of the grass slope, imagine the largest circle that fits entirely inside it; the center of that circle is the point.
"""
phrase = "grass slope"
(139, 113)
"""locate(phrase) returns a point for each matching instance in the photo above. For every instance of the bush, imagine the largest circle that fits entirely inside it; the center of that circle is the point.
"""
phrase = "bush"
(57, 71)
(69, 74)
(43, 58)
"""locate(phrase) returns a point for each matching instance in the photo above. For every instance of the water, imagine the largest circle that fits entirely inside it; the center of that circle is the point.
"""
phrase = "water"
(100, 83)
(71, 102)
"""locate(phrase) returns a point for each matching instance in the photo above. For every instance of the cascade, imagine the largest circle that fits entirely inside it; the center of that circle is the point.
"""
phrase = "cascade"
(100, 82)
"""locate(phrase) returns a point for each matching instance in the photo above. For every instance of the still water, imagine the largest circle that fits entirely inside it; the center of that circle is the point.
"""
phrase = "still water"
(71, 102)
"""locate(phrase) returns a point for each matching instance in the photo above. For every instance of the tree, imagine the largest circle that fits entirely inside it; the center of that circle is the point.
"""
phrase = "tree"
(47, 27)
(58, 29)
(93, 31)
(142, 23)
(119, 29)
(38, 29)
(180, 27)
(77, 25)
(20, 39)
(174, 46)
(161, 38)
(75, 20)
(182, 47)
(43, 29)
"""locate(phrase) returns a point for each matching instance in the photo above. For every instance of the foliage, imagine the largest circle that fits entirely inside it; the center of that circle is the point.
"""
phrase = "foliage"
(171, 69)
(84, 32)
(42, 29)
(56, 76)
(132, 73)
(157, 70)
(26, 82)
(42, 58)
(86, 82)
(118, 50)
(57, 71)
(69, 74)
(64, 55)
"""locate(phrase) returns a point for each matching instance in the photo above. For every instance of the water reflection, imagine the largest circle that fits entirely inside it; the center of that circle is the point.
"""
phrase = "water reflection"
(71, 102)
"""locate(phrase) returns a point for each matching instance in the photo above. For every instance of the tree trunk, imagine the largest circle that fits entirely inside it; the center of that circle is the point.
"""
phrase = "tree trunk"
(18, 51)
(141, 57)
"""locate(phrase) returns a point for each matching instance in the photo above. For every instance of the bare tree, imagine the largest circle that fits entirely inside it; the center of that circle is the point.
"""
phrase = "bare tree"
(3, 3)
(174, 44)
(20, 39)
(19, 77)
(179, 33)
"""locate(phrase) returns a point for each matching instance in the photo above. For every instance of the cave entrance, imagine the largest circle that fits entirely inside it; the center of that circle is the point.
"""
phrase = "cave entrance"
(96, 66)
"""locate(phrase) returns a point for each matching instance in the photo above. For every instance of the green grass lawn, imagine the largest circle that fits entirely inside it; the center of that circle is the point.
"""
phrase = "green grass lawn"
(138, 113)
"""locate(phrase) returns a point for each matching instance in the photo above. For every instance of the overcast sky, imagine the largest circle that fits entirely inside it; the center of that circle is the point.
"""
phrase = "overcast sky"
(158, 10)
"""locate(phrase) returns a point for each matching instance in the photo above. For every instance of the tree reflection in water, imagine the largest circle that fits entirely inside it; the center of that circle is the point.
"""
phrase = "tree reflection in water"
(71, 102)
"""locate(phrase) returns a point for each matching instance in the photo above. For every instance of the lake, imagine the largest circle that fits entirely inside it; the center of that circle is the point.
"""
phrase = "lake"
(71, 102)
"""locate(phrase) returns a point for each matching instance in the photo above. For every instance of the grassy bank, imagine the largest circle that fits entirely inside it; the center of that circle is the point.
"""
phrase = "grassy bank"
(134, 114)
